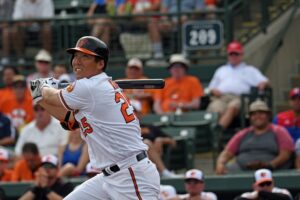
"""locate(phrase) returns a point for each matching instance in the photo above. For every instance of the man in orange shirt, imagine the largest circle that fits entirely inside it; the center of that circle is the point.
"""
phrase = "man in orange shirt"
(5, 173)
(181, 90)
(8, 75)
(18, 106)
(134, 70)
(29, 163)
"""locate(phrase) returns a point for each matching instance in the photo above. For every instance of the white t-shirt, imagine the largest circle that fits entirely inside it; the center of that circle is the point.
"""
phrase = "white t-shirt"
(203, 196)
(47, 141)
(102, 110)
(236, 80)
(25, 9)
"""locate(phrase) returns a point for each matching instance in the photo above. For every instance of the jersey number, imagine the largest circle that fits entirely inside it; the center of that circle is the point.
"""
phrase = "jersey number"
(128, 118)
(86, 127)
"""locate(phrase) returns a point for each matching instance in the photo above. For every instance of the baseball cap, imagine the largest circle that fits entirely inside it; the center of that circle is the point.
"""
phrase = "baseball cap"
(235, 47)
(259, 105)
(194, 174)
(262, 175)
(295, 92)
(43, 55)
(135, 62)
(4, 155)
(50, 161)
(19, 79)
(167, 192)
(178, 59)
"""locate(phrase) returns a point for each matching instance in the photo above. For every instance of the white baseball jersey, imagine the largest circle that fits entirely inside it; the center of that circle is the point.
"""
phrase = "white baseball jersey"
(106, 119)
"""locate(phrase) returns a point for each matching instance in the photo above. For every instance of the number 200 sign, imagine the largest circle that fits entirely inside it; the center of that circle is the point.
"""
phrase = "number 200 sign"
(202, 35)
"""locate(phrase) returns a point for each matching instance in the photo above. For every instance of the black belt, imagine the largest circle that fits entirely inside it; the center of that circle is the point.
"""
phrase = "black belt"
(115, 168)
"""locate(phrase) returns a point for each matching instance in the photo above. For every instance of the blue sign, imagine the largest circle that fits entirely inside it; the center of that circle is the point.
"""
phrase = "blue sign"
(202, 35)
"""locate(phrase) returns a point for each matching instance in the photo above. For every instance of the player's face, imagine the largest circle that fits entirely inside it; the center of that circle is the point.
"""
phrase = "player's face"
(235, 58)
(85, 66)
(265, 186)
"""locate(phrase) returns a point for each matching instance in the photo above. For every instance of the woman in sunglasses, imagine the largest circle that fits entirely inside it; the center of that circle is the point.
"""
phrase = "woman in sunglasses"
(264, 188)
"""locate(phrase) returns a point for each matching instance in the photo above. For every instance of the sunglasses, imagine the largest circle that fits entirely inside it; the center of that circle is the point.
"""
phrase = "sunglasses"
(192, 181)
(265, 184)
(234, 54)
(43, 62)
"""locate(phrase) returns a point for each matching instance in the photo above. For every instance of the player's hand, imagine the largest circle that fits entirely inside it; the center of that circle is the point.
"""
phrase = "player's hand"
(35, 89)
(52, 82)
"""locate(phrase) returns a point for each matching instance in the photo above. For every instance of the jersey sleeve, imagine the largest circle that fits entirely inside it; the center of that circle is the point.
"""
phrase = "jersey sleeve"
(198, 89)
(75, 96)
(285, 141)
(234, 142)
(257, 76)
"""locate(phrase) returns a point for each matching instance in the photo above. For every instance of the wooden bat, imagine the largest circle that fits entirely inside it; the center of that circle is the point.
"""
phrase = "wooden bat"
(134, 84)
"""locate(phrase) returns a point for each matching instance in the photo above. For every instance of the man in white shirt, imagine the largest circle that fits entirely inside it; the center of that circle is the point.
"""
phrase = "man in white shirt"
(194, 185)
(264, 188)
(230, 81)
(44, 131)
(32, 9)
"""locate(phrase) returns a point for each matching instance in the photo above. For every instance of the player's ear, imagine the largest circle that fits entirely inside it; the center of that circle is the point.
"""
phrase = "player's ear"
(100, 64)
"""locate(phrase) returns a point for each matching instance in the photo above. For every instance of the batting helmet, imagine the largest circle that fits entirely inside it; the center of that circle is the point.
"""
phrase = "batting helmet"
(92, 46)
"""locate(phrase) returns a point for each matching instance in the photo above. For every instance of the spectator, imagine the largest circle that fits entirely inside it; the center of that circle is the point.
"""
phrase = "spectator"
(264, 188)
(181, 91)
(290, 119)
(262, 145)
(7, 131)
(6, 10)
(32, 9)
(194, 185)
(73, 156)
(25, 168)
(232, 80)
(297, 150)
(9, 73)
(102, 26)
(18, 106)
(167, 192)
(155, 139)
(43, 61)
(44, 131)
(134, 70)
(90, 171)
(5, 172)
(60, 72)
(163, 24)
(47, 184)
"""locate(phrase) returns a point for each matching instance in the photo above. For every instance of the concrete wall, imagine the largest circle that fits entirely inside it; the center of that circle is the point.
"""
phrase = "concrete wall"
(284, 63)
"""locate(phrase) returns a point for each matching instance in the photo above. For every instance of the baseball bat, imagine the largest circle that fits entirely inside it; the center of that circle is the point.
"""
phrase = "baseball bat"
(134, 84)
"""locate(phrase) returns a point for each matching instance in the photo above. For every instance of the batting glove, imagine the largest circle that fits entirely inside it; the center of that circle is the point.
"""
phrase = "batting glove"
(35, 89)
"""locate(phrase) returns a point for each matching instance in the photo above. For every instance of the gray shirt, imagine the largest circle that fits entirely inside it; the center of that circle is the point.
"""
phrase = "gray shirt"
(255, 147)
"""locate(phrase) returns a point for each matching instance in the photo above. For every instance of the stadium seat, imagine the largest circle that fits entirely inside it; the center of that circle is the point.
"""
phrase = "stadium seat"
(155, 120)
(181, 157)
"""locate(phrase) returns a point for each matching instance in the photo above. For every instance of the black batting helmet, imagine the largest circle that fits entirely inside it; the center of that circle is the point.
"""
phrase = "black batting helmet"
(92, 46)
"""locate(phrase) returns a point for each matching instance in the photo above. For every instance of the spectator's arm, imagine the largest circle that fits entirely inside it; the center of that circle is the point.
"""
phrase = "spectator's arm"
(157, 108)
(27, 196)
(7, 141)
(263, 85)
(194, 104)
(92, 9)
(297, 152)
(83, 160)
(223, 158)
(282, 157)
(297, 162)
(60, 153)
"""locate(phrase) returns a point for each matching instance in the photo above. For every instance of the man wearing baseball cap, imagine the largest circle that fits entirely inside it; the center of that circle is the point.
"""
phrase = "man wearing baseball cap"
(232, 80)
(134, 70)
(264, 188)
(47, 183)
(290, 119)
(194, 185)
(181, 91)
(253, 147)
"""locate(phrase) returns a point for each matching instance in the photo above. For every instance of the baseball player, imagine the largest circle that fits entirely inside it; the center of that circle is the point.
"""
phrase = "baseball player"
(108, 125)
